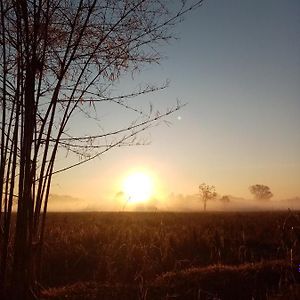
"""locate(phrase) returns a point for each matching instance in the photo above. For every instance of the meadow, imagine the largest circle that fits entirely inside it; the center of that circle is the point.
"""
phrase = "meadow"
(160, 255)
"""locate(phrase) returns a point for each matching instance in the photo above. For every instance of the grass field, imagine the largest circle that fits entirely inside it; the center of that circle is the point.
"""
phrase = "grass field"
(171, 256)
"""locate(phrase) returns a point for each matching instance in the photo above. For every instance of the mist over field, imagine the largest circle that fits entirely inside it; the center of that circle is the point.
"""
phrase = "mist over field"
(149, 150)
(184, 203)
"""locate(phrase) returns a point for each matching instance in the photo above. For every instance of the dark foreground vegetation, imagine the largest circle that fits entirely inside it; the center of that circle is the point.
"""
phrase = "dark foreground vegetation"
(171, 256)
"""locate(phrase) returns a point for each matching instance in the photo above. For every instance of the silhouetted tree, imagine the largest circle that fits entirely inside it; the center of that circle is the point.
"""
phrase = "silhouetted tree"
(206, 193)
(261, 192)
(58, 59)
(225, 199)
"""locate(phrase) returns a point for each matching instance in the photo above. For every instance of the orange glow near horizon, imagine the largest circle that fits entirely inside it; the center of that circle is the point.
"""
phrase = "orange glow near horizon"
(138, 187)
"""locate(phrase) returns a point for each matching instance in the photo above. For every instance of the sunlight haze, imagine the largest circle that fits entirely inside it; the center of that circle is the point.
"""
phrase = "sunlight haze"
(237, 66)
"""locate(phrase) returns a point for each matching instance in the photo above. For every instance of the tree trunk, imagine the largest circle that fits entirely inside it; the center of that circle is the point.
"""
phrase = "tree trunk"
(22, 280)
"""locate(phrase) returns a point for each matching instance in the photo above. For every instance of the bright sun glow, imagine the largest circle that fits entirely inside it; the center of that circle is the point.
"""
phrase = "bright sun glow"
(138, 187)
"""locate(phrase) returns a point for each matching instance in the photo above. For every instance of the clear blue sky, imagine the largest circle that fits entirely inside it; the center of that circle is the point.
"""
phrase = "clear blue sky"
(237, 64)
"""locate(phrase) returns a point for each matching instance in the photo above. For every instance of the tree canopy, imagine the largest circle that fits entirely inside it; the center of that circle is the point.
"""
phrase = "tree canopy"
(261, 192)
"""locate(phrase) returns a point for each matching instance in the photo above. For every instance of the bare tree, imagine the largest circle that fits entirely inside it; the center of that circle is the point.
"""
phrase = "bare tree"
(261, 192)
(206, 193)
(58, 59)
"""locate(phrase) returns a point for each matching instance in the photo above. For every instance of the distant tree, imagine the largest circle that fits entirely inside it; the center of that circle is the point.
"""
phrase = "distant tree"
(261, 192)
(225, 199)
(206, 193)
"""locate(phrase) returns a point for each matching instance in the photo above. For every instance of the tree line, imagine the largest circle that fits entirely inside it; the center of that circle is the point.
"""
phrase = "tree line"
(208, 192)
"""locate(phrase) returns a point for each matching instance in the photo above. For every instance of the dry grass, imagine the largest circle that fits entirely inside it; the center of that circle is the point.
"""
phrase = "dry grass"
(147, 256)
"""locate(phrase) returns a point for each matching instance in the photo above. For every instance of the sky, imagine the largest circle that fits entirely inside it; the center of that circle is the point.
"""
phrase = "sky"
(237, 66)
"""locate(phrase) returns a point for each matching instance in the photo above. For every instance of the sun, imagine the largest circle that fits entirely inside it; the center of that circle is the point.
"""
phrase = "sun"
(138, 187)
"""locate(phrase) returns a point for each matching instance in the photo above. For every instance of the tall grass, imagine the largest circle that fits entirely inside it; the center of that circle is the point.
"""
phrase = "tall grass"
(135, 249)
